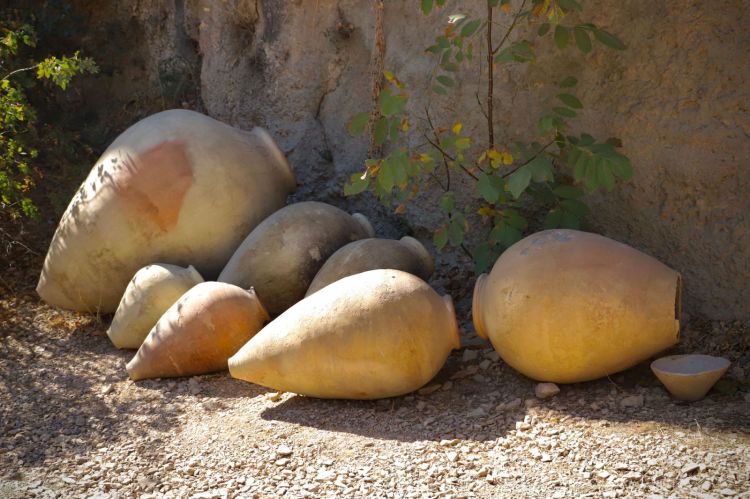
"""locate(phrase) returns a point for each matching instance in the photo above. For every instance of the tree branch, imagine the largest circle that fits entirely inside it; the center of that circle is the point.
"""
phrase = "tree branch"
(540, 151)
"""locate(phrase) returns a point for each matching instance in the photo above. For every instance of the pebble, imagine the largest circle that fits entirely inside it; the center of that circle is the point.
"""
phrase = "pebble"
(546, 390)
(427, 390)
(632, 401)
(469, 355)
(284, 450)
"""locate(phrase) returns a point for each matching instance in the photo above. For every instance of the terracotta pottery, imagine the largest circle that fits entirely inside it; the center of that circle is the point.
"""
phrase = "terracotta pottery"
(567, 306)
(178, 187)
(408, 255)
(282, 255)
(381, 333)
(150, 293)
(689, 377)
(199, 332)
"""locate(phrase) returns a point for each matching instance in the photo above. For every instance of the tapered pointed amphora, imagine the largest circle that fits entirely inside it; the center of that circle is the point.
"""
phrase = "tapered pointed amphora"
(282, 255)
(376, 334)
(567, 306)
(408, 255)
(199, 332)
(149, 294)
(176, 187)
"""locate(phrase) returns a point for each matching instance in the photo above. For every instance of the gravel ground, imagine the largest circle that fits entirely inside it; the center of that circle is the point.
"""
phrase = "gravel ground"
(72, 424)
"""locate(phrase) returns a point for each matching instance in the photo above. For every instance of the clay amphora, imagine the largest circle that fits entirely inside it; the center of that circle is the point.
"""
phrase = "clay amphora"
(567, 306)
(282, 255)
(178, 187)
(381, 333)
(197, 334)
(149, 294)
(408, 255)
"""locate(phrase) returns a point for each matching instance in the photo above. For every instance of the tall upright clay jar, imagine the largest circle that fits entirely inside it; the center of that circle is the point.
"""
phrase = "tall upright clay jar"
(381, 333)
(282, 255)
(176, 187)
(567, 306)
(407, 254)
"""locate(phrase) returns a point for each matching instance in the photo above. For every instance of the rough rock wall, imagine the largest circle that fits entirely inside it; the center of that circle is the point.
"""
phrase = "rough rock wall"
(677, 97)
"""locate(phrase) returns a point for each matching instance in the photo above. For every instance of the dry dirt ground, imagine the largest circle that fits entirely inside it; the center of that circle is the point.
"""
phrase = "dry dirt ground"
(73, 425)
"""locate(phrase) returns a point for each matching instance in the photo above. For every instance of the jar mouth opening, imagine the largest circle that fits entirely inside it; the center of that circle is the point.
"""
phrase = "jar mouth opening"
(476, 307)
(424, 256)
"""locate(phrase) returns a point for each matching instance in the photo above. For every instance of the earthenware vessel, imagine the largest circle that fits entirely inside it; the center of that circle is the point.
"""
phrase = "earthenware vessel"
(176, 187)
(282, 255)
(376, 334)
(407, 254)
(149, 294)
(567, 306)
(197, 334)
(689, 377)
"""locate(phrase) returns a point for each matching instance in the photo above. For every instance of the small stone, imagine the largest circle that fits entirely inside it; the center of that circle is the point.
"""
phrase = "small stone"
(273, 396)
(522, 426)
(546, 390)
(447, 385)
(690, 468)
(469, 355)
(325, 475)
(707, 485)
(452, 456)
(603, 474)
(449, 443)
(492, 356)
(632, 475)
(621, 467)
(284, 451)
(727, 492)
(194, 387)
(529, 403)
(485, 364)
(428, 389)
(106, 389)
(632, 401)
(546, 458)
(282, 462)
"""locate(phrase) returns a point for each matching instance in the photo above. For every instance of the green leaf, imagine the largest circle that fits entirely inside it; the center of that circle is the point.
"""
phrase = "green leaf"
(482, 257)
(606, 179)
(590, 176)
(570, 101)
(358, 123)
(570, 221)
(570, 81)
(447, 202)
(567, 192)
(391, 104)
(623, 170)
(543, 29)
(608, 39)
(451, 66)
(506, 235)
(448, 82)
(583, 42)
(440, 238)
(463, 143)
(575, 207)
(381, 130)
(564, 111)
(426, 7)
(569, 5)
(456, 230)
(545, 124)
(386, 178)
(515, 220)
(487, 188)
(562, 34)
(357, 184)
(519, 181)
(541, 168)
(553, 218)
(439, 90)
(470, 27)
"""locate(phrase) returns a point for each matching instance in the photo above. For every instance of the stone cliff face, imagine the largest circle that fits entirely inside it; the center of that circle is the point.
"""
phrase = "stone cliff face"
(677, 97)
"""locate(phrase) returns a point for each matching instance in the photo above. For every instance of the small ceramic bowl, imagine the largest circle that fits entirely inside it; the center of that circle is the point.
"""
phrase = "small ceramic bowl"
(689, 377)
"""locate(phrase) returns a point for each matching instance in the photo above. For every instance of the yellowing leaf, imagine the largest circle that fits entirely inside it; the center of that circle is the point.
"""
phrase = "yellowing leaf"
(505, 7)
(405, 124)
(388, 75)
(425, 158)
(400, 209)
(457, 127)
(486, 211)
(495, 157)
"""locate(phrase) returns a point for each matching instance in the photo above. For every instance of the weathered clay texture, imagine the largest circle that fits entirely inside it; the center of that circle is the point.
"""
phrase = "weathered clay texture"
(677, 97)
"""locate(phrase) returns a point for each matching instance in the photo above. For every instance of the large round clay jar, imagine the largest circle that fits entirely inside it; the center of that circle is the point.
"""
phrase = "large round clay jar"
(176, 187)
(567, 306)
(408, 255)
(282, 255)
(197, 334)
(149, 294)
(381, 333)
